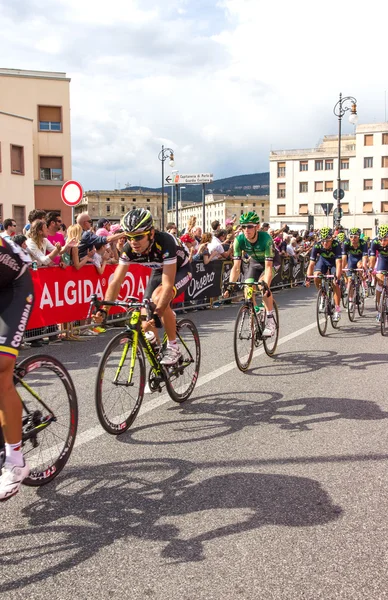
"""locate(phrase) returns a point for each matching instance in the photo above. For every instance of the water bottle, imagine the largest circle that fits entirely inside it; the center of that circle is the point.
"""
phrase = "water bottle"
(151, 337)
(34, 266)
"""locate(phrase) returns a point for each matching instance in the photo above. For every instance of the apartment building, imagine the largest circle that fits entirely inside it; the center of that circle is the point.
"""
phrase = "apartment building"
(35, 142)
(220, 207)
(302, 182)
(113, 204)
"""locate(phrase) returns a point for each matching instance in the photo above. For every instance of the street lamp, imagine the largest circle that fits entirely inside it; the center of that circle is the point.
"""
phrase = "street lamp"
(163, 155)
(343, 105)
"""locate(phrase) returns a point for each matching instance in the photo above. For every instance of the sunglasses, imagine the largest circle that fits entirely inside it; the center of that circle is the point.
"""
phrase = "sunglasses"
(328, 239)
(355, 235)
(137, 237)
(60, 222)
(248, 226)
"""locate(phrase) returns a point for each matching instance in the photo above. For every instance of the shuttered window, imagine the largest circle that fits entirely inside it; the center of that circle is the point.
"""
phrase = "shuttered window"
(50, 118)
(281, 209)
(17, 160)
(367, 207)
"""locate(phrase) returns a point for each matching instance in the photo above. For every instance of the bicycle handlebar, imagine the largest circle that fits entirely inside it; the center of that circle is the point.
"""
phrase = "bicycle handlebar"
(131, 302)
(241, 284)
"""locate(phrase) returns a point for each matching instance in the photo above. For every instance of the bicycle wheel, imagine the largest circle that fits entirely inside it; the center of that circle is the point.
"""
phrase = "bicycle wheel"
(271, 343)
(383, 313)
(50, 416)
(360, 298)
(183, 376)
(322, 312)
(117, 400)
(243, 342)
(352, 305)
(344, 293)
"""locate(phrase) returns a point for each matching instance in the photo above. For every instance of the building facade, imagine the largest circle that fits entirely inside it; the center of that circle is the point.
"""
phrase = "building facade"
(219, 207)
(43, 159)
(302, 182)
(113, 204)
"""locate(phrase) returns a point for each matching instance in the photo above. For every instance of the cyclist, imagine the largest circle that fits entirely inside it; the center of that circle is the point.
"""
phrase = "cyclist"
(171, 272)
(326, 256)
(16, 300)
(354, 253)
(379, 245)
(259, 246)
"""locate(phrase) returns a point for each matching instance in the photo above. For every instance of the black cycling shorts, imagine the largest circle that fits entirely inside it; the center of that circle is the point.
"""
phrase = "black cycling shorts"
(255, 270)
(182, 280)
(16, 301)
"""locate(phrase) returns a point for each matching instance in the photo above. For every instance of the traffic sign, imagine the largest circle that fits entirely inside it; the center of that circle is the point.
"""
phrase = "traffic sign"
(326, 207)
(341, 194)
(192, 179)
(71, 193)
(335, 213)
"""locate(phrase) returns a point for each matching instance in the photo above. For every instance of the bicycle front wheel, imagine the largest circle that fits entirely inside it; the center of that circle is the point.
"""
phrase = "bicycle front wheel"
(322, 312)
(360, 297)
(50, 416)
(384, 313)
(119, 397)
(352, 303)
(271, 342)
(182, 377)
(244, 337)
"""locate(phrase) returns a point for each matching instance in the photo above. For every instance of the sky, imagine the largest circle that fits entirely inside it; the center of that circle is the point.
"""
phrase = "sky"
(221, 82)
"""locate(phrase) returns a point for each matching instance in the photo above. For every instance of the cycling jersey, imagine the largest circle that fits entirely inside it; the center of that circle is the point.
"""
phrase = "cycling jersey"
(382, 258)
(261, 250)
(165, 250)
(330, 254)
(354, 254)
(13, 262)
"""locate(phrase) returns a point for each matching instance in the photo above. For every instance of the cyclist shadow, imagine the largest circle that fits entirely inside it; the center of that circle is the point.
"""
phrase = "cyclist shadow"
(153, 500)
(216, 416)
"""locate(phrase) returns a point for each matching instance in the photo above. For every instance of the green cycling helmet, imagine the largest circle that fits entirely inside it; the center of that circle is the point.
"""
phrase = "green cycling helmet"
(325, 232)
(249, 217)
(341, 237)
(366, 238)
(354, 231)
(383, 231)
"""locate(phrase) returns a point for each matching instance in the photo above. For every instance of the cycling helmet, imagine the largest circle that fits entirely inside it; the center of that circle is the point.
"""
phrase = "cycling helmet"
(383, 231)
(137, 220)
(354, 231)
(366, 238)
(325, 232)
(249, 217)
(341, 237)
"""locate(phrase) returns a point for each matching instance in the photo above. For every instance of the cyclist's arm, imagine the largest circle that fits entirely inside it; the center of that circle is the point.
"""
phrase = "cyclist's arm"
(267, 276)
(310, 268)
(168, 281)
(236, 269)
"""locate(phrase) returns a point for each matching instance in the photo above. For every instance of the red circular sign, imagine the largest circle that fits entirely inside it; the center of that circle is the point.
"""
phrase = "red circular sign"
(72, 193)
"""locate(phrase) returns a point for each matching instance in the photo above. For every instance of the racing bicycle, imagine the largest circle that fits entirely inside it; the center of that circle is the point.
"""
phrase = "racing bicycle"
(355, 293)
(383, 305)
(49, 416)
(325, 303)
(121, 375)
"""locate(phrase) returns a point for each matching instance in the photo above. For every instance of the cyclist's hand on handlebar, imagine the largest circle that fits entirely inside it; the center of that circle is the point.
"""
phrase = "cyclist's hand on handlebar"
(307, 282)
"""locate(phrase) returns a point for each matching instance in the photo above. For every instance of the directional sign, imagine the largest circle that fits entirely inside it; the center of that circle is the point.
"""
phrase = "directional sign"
(72, 193)
(327, 208)
(335, 214)
(190, 179)
(341, 194)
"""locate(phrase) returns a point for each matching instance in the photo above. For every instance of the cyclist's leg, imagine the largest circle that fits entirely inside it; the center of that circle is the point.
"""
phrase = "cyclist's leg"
(153, 284)
(254, 273)
(379, 278)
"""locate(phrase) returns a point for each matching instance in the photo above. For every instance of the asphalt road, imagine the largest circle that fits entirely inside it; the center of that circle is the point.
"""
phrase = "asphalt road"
(270, 484)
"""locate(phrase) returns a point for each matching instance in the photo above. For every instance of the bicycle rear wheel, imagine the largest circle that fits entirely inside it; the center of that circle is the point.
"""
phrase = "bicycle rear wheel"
(182, 377)
(244, 334)
(352, 304)
(360, 297)
(322, 312)
(271, 343)
(384, 313)
(50, 416)
(118, 401)
(344, 293)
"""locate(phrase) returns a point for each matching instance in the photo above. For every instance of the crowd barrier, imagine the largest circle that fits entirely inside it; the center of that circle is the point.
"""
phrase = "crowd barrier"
(63, 295)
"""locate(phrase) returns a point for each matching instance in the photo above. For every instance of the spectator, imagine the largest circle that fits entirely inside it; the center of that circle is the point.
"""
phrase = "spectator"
(20, 240)
(191, 224)
(215, 225)
(1, 225)
(172, 228)
(203, 249)
(38, 245)
(100, 257)
(54, 235)
(9, 229)
(33, 215)
(103, 227)
(89, 239)
(264, 227)
(75, 231)
(228, 244)
(189, 243)
(216, 244)
(197, 233)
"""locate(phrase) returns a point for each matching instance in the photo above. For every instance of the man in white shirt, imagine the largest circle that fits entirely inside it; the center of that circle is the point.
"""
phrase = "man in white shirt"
(216, 244)
(9, 229)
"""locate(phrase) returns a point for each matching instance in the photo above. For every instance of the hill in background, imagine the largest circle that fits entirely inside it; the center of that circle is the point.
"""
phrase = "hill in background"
(255, 184)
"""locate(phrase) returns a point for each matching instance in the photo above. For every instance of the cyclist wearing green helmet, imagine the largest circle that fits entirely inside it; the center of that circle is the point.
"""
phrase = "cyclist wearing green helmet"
(260, 248)
(354, 251)
(325, 257)
(380, 245)
(341, 237)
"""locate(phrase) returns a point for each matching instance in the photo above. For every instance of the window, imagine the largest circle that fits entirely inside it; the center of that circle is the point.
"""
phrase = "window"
(148, 200)
(319, 165)
(242, 203)
(281, 169)
(50, 167)
(385, 139)
(368, 139)
(303, 209)
(123, 209)
(318, 209)
(368, 184)
(281, 190)
(384, 184)
(384, 207)
(303, 165)
(254, 204)
(17, 160)
(344, 163)
(262, 205)
(318, 186)
(303, 187)
(122, 199)
(345, 207)
(281, 209)
(1, 213)
(345, 185)
(367, 207)
(19, 215)
(368, 162)
(108, 209)
(384, 162)
(329, 165)
(50, 118)
(328, 186)
(133, 199)
(108, 199)
(262, 213)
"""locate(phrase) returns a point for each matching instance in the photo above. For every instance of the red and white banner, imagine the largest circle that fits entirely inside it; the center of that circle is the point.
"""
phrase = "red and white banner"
(63, 295)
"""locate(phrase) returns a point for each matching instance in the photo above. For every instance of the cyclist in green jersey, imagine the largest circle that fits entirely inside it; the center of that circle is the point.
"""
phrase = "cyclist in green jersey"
(259, 246)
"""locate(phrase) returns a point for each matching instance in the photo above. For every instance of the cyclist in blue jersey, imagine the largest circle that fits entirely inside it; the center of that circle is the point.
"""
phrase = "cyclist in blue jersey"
(379, 246)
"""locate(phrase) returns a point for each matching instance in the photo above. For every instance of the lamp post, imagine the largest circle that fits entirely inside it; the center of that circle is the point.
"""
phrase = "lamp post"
(340, 108)
(163, 155)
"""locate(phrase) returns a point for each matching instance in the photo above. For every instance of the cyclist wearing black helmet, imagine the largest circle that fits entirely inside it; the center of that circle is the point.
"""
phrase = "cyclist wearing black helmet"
(171, 271)
(379, 245)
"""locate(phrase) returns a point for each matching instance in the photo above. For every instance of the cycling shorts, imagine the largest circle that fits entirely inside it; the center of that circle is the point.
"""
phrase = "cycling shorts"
(255, 270)
(324, 266)
(353, 261)
(16, 301)
(182, 280)
(382, 263)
